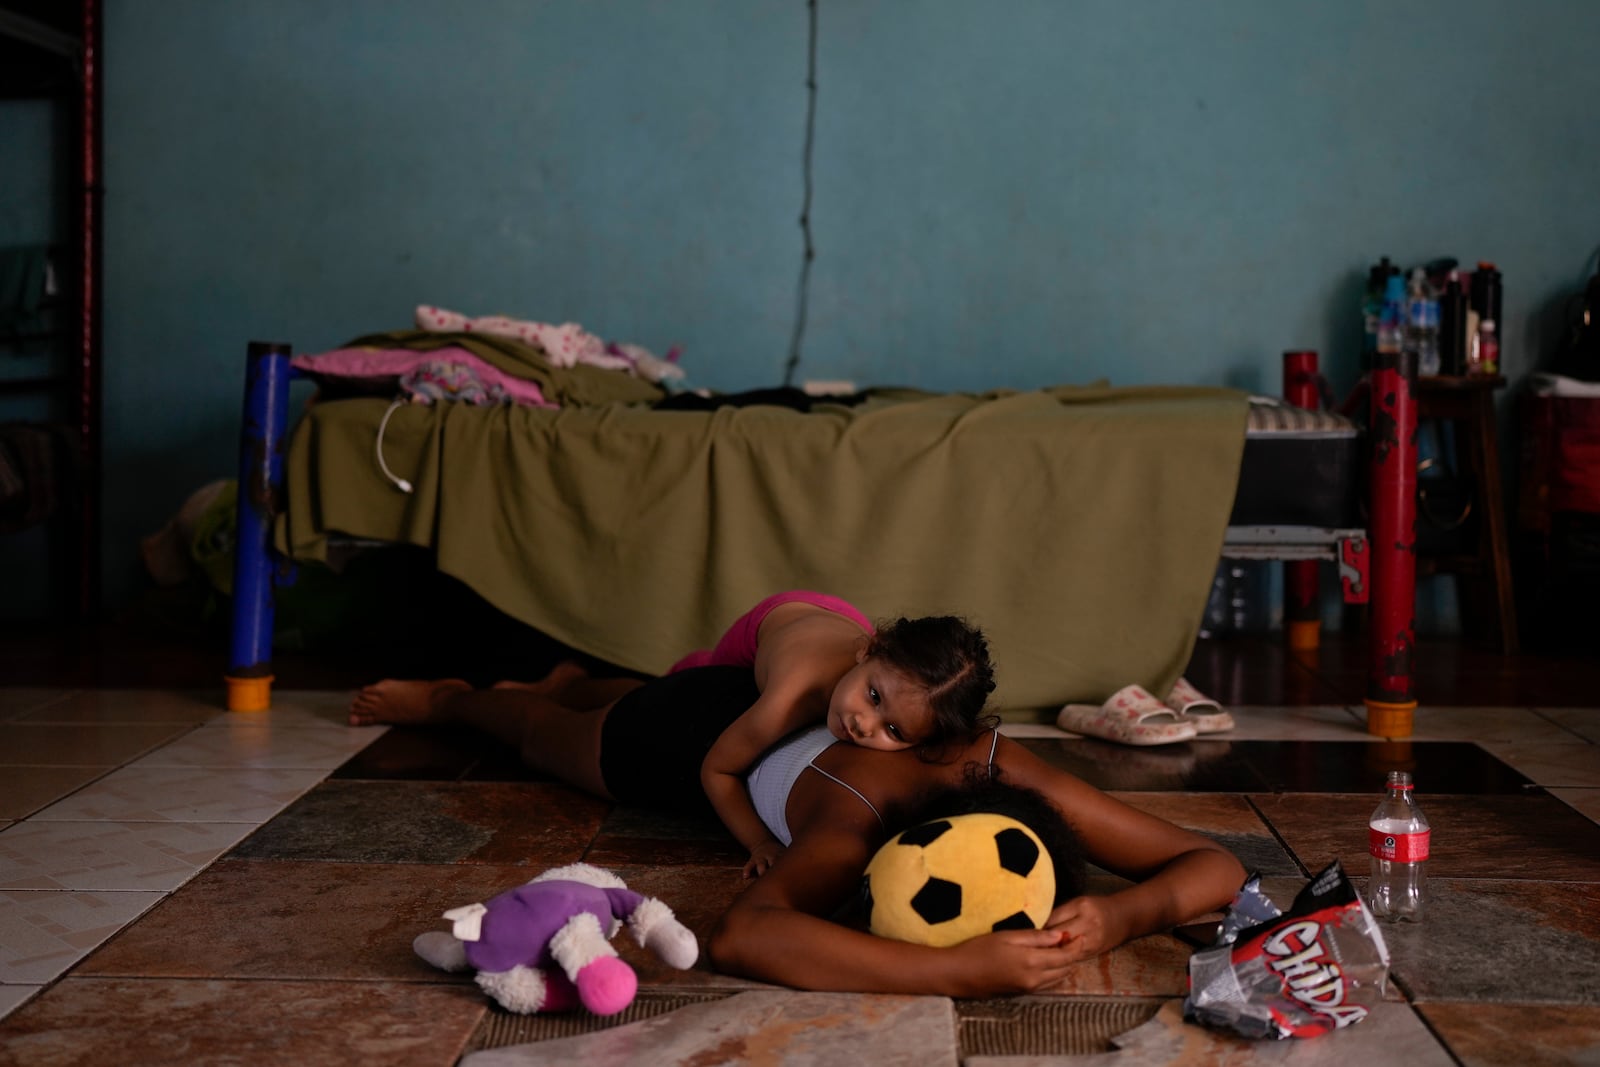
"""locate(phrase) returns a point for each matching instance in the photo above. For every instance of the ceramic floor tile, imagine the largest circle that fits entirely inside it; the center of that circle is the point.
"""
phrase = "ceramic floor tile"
(1525, 837)
(1034, 729)
(1225, 818)
(1199, 766)
(1485, 724)
(128, 706)
(82, 744)
(1243, 766)
(635, 836)
(44, 933)
(1572, 764)
(698, 896)
(1362, 767)
(405, 753)
(1529, 1035)
(19, 700)
(1585, 722)
(24, 790)
(1392, 1033)
(245, 742)
(1586, 801)
(300, 920)
(295, 708)
(1512, 942)
(110, 855)
(184, 794)
(13, 997)
(1153, 966)
(1315, 723)
(534, 824)
(311, 1024)
(761, 1027)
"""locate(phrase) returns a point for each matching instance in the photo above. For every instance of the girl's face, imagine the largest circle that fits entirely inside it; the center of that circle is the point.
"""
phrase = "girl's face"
(876, 706)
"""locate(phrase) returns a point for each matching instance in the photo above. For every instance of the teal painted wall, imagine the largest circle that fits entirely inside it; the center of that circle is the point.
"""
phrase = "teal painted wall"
(1015, 193)
(32, 206)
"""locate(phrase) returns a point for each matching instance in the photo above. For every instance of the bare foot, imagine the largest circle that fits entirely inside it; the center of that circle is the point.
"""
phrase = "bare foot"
(562, 673)
(396, 701)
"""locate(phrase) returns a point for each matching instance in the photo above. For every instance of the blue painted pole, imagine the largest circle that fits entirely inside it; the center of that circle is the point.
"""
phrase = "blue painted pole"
(266, 419)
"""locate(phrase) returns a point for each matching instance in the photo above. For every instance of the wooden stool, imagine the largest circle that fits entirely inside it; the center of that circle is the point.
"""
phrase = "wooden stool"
(1468, 404)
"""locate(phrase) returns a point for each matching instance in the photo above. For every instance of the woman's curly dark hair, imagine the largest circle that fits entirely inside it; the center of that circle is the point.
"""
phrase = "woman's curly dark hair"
(950, 659)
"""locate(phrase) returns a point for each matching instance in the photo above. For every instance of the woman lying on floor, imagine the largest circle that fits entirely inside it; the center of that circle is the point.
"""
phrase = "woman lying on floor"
(642, 743)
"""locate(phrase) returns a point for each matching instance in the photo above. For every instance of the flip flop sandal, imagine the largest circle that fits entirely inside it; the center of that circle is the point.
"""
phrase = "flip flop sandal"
(1132, 716)
(1208, 715)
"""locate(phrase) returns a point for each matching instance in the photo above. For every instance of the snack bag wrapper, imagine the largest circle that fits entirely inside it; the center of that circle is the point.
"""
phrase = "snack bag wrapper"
(1318, 967)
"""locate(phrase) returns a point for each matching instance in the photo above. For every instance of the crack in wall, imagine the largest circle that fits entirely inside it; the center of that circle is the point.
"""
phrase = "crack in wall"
(809, 252)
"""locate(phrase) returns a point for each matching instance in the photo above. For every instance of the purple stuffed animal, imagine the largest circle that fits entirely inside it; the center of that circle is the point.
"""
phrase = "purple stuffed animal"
(546, 945)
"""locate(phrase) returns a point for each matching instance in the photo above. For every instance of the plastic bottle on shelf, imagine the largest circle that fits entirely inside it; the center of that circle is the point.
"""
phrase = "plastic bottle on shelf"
(1397, 839)
(1422, 323)
(1372, 306)
(1392, 318)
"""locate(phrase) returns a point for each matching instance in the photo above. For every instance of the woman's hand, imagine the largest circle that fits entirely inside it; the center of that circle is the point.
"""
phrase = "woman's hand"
(1012, 961)
(762, 857)
(1090, 926)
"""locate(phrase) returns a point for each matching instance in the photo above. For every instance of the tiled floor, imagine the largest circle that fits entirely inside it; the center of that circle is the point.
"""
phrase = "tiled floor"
(181, 884)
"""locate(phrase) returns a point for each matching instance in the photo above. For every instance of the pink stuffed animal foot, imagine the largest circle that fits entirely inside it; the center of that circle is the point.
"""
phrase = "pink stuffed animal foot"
(607, 985)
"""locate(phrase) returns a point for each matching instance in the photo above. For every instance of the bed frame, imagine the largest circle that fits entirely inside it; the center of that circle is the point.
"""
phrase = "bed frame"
(1377, 563)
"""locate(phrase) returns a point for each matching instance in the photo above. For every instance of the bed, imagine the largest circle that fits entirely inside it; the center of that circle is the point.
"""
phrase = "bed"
(1080, 526)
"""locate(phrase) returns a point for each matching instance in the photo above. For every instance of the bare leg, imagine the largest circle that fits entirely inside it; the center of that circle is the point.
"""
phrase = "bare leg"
(550, 734)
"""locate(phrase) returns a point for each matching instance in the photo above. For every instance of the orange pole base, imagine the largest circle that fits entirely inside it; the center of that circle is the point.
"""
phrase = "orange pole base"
(249, 694)
(1390, 720)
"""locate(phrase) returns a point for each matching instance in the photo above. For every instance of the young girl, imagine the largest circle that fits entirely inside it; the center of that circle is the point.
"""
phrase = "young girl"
(918, 683)
(643, 743)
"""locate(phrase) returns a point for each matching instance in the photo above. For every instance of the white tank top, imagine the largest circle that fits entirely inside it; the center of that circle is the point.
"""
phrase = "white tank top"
(774, 775)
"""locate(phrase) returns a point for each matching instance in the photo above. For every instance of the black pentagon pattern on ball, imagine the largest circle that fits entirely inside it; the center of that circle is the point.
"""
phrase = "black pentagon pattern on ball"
(1018, 921)
(938, 901)
(1018, 852)
(926, 834)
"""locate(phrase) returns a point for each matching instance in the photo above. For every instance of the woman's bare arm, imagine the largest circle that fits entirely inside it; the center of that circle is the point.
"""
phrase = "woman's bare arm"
(1177, 875)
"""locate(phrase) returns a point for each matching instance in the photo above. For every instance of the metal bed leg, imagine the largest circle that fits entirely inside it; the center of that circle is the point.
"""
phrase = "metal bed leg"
(1391, 699)
(266, 417)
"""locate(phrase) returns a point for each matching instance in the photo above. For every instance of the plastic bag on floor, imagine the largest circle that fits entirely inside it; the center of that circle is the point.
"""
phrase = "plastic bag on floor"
(1318, 967)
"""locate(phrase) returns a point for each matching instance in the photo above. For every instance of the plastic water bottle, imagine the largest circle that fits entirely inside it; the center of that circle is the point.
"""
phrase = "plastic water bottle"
(1422, 323)
(1392, 319)
(1397, 838)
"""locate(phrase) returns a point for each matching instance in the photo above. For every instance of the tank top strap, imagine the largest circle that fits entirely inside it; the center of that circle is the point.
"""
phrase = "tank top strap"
(835, 778)
(994, 743)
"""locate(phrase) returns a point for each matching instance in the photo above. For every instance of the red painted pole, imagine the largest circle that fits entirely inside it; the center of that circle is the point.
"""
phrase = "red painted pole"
(1391, 699)
(1302, 610)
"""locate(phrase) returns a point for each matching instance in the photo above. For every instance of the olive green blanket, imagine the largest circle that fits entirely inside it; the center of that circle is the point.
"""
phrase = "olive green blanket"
(1080, 527)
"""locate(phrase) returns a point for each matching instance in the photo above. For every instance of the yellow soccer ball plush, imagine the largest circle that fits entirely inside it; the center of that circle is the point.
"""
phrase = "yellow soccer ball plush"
(946, 880)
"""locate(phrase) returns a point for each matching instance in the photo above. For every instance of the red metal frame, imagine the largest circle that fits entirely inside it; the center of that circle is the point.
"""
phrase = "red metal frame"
(1391, 658)
(1303, 610)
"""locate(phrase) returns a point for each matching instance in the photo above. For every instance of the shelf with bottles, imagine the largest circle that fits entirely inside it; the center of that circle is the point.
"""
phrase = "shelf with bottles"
(1447, 318)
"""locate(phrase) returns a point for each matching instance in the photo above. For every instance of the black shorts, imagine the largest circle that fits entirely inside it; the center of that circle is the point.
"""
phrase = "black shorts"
(656, 737)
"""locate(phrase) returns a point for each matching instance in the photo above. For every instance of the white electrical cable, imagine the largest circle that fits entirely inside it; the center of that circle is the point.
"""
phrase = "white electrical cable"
(377, 448)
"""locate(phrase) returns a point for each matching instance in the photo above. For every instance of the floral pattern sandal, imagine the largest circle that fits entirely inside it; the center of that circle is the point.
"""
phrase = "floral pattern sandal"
(1132, 716)
(1208, 716)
